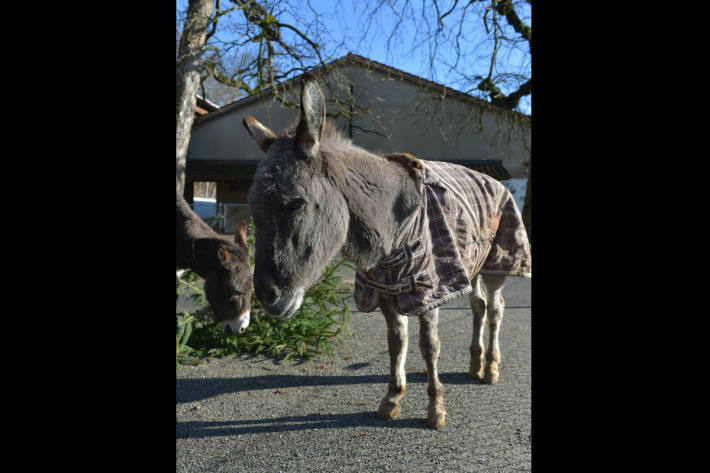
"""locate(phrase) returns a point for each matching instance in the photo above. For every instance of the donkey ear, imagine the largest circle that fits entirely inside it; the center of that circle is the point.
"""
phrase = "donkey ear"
(226, 257)
(312, 121)
(241, 236)
(262, 135)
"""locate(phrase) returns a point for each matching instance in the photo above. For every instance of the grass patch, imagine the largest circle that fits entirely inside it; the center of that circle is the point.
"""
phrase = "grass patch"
(321, 318)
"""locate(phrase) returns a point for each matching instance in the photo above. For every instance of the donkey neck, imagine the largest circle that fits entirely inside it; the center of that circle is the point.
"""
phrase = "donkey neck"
(381, 197)
(189, 229)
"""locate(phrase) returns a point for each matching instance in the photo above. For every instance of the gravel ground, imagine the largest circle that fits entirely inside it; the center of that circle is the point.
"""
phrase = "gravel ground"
(247, 413)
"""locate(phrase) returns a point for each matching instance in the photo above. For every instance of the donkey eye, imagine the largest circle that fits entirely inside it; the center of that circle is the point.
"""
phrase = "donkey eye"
(296, 204)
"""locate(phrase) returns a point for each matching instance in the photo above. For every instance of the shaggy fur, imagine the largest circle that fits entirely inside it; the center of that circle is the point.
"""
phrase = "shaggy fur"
(315, 194)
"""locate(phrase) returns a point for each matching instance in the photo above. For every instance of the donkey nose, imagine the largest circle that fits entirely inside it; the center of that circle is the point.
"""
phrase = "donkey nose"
(269, 294)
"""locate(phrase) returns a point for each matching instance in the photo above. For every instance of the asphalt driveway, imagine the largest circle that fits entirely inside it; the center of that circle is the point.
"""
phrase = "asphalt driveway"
(247, 413)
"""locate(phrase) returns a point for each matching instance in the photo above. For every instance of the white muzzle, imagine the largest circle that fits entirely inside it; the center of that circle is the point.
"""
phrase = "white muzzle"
(239, 324)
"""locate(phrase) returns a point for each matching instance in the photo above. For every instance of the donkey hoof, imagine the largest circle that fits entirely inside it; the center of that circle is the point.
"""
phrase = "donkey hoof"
(436, 420)
(478, 374)
(389, 410)
(490, 378)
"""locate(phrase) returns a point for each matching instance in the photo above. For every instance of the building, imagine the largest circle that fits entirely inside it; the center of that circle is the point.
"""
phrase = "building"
(391, 110)
(203, 107)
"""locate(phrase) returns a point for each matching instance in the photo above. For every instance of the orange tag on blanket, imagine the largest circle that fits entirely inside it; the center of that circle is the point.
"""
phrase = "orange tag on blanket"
(494, 226)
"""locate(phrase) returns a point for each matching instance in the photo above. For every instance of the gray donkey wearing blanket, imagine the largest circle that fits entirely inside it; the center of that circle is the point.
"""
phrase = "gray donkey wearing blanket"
(420, 233)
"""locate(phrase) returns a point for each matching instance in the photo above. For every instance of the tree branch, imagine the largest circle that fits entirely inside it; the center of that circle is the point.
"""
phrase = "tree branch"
(505, 8)
(511, 100)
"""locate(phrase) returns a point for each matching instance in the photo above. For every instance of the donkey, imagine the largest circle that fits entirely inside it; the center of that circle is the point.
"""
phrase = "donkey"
(223, 264)
(316, 194)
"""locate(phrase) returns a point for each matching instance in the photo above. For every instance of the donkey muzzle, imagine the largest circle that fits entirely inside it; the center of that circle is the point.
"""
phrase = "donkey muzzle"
(238, 325)
(285, 305)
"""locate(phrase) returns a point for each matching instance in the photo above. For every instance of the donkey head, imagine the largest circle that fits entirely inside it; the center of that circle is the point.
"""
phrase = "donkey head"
(300, 219)
(228, 284)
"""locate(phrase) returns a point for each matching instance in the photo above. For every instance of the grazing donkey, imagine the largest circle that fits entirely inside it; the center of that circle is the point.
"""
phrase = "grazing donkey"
(418, 231)
(223, 264)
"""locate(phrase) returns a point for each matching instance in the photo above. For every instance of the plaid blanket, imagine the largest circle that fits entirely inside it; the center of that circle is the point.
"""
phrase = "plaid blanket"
(468, 224)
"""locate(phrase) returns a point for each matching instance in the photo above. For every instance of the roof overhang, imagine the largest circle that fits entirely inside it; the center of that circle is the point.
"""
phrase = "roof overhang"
(220, 170)
(203, 106)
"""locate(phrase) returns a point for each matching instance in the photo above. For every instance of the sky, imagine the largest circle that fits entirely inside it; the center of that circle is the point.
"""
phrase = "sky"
(347, 20)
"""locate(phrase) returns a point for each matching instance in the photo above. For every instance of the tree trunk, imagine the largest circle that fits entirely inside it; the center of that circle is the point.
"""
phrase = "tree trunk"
(189, 59)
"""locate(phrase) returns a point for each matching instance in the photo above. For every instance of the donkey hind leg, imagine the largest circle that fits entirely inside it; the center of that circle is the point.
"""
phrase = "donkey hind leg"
(478, 307)
(397, 339)
(495, 306)
(430, 347)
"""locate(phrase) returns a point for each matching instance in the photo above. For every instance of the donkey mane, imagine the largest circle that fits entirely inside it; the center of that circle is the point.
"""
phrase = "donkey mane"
(332, 137)
(335, 143)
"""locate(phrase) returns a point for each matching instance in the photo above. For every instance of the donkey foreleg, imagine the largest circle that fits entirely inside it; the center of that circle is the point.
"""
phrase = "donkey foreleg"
(397, 338)
(430, 347)
(495, 307)
(478, 307)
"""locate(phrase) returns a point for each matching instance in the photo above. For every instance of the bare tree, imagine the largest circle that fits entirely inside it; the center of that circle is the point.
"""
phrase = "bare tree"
(258, 49)
(482, 46)
(189, 58)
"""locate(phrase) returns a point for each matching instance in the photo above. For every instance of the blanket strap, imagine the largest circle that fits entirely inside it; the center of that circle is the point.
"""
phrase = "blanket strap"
(407, 284)
(404, 254)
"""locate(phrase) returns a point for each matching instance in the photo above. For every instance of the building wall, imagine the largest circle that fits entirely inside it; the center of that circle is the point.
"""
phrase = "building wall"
(226, 194)
(419, 122)
(224, 137)
(411, 118)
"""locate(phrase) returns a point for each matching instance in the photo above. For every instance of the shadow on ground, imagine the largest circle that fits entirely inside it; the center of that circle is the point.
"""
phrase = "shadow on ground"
(201, 429)
(194, 389)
